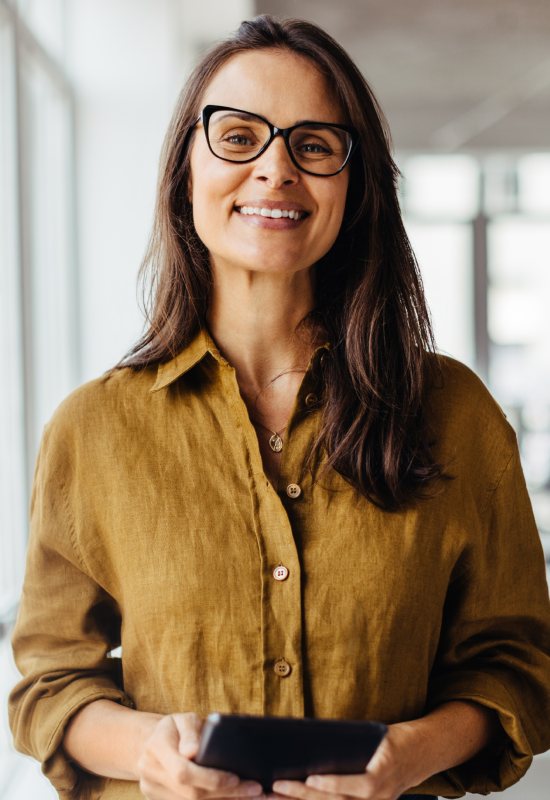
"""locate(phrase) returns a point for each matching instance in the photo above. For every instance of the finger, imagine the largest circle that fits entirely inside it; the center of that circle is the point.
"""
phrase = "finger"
(162, 757)
(189, 727)
(301, 791)
(345, 785)
(363, 786)
(164, 765)
(241, 791)
(217, 782)
(167, 750)
(248, 789)
(152, 790)
(213, 780)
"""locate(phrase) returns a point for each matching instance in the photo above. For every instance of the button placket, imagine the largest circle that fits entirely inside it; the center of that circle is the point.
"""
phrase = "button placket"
(281, 608)
(282, 601)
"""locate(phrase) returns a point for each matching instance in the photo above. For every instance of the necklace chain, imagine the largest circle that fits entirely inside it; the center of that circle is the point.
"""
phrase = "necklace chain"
(257, 421)
(275, 442)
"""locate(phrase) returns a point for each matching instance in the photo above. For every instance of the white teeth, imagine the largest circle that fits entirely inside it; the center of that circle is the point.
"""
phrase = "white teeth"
(274, 213)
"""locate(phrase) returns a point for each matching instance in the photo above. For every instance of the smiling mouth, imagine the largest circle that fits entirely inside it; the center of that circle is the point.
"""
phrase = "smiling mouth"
(274, 213)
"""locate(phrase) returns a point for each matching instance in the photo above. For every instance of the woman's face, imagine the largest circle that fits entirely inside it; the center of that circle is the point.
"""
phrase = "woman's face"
(285, 89)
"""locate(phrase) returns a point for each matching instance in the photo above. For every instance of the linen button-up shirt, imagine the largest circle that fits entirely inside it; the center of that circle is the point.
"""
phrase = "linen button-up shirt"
(154, 527)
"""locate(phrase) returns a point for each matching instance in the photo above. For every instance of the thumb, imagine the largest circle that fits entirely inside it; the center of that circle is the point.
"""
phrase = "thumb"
(189, 728)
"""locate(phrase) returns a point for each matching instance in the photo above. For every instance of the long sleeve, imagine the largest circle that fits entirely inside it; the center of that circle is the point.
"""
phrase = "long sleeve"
(66, 625)
(495, 640)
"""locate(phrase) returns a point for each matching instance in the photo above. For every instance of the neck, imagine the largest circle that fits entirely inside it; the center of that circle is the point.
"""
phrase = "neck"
(253, 318)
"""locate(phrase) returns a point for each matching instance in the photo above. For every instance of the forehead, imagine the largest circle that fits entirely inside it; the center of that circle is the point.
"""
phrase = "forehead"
(280, 86)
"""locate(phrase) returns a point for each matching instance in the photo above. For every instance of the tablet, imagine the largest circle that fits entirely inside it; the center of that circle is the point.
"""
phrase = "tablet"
(266, 749)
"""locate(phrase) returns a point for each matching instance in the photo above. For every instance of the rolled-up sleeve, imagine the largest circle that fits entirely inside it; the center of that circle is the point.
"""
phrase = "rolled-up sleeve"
(495, 642)
(67, 623)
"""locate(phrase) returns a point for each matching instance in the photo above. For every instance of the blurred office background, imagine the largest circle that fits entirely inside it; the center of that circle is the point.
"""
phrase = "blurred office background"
(86, 92)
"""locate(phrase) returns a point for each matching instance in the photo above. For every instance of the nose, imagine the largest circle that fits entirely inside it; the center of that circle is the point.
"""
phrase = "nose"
(275, 167)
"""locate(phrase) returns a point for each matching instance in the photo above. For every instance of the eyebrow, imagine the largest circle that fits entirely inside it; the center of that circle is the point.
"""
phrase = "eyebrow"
(248, 115)
(245, 115)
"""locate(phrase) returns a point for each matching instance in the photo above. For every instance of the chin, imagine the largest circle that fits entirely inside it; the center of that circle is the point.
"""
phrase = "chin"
(273, 262)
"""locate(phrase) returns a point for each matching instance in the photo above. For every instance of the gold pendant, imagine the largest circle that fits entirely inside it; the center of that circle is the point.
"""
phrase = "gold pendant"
(276, 443)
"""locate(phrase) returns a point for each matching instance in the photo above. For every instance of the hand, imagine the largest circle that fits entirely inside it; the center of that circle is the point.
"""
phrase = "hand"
(386, 777)
(167, 772)
(410, 754)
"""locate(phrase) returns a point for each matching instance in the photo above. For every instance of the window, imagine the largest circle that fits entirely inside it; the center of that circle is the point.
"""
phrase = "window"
(480, 226)
(38, 332)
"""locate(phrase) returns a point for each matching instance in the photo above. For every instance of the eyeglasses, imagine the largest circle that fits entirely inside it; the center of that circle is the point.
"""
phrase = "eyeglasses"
(317, 148)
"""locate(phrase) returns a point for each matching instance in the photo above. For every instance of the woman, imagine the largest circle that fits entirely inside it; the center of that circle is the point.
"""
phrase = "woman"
(282, 502)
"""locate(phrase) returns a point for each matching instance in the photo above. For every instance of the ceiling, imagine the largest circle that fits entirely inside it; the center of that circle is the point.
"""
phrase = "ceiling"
(451, 75)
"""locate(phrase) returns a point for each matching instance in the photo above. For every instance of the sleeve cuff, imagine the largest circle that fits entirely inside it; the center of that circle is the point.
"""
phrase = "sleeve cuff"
(71, 782)
(499, 766)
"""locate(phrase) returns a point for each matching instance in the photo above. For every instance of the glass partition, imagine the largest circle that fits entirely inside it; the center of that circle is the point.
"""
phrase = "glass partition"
(480, 226)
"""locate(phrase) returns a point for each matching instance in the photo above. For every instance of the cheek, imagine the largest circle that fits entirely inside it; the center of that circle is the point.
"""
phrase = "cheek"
(213, 186)
(333, 203)
(201, 179)
(209, 208)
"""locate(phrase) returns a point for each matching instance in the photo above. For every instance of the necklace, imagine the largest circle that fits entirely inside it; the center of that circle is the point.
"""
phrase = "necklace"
(276, 443)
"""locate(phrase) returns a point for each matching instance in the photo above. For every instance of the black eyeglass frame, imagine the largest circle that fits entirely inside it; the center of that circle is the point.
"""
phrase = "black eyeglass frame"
(207, 112)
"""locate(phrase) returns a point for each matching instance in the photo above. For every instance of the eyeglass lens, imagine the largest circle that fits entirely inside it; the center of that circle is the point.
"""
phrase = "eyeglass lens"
(238, 136)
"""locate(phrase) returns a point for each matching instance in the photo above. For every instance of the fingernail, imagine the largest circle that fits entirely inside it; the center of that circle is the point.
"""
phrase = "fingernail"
(232, 780)
(281, 786)
(254, 789)
(315, 781)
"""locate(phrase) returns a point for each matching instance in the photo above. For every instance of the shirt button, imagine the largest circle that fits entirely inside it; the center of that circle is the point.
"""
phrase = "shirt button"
(280, 573)
(293, 490)
(311, 399)
(282, 668)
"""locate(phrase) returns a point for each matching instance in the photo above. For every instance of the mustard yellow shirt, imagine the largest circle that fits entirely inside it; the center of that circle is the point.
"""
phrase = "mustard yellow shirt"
(154, 526)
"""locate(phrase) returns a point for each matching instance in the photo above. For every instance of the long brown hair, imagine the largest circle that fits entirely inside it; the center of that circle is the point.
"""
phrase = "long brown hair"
(369, 301)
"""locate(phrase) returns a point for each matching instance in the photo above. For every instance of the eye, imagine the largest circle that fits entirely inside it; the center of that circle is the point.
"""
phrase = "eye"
(239, 136)
(323, 143)
(314, 148)
(239, 140)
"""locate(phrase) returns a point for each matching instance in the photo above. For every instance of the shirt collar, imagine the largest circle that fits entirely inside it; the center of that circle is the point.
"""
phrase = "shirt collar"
(195, 352)
(182, 363)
